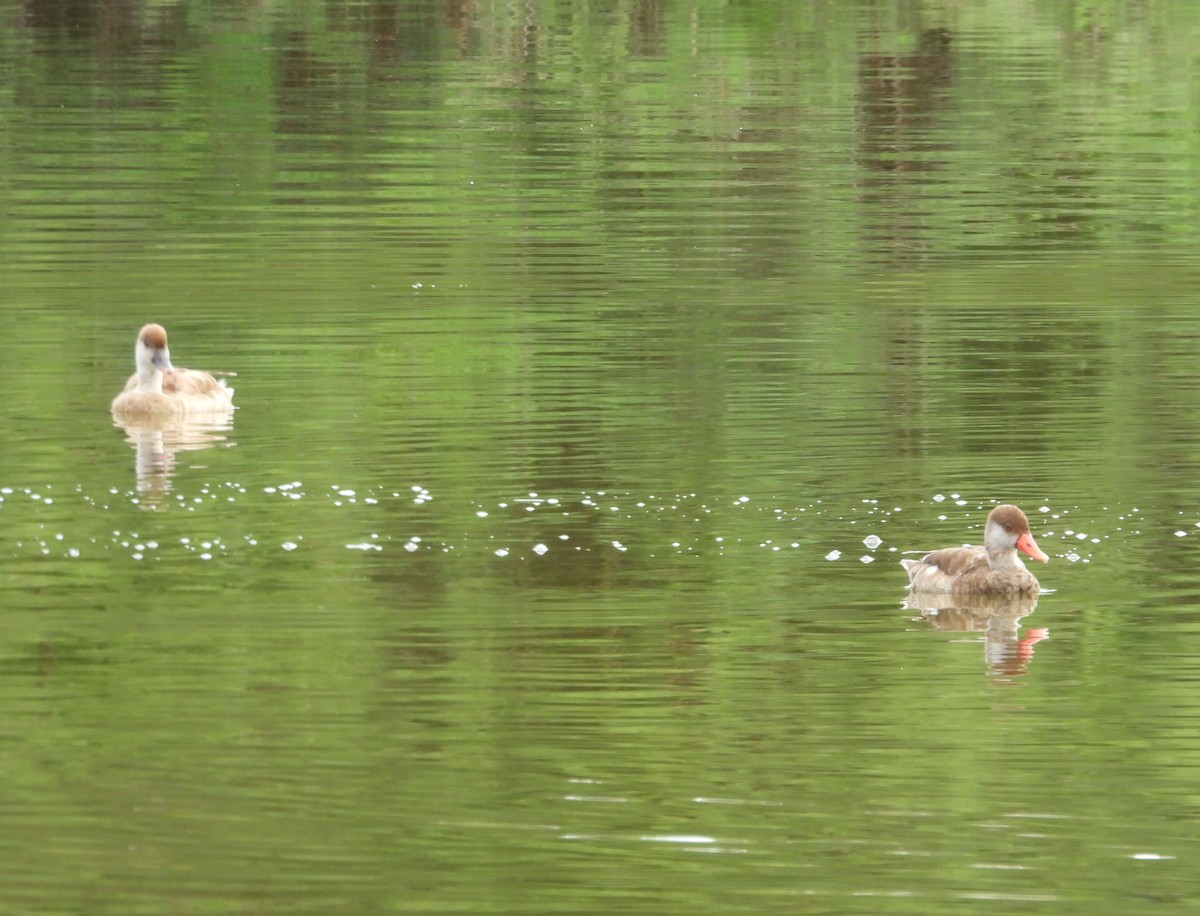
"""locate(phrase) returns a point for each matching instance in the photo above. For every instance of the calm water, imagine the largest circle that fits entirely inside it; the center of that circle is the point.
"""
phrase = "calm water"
(596, 363)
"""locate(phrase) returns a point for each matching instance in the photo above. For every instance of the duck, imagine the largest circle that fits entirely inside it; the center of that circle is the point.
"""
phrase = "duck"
(159, 390)
(993, 569)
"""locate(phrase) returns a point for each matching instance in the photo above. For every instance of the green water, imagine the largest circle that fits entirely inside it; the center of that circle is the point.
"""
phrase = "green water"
(595, 364)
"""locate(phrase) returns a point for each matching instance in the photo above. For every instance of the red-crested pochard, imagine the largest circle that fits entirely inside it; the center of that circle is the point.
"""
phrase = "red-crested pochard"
(993, 569)
(158, 389)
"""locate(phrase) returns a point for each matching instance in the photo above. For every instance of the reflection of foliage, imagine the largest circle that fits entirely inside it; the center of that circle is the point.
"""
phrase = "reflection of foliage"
(544, 244)
(718, 117)
(681, 252)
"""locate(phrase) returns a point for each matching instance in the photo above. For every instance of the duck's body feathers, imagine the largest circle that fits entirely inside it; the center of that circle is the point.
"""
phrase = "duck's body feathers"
(993, 569)
(158, 389)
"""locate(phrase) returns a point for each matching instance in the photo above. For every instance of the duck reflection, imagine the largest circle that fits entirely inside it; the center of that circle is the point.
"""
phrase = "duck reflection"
(158, 442)
(996, 616)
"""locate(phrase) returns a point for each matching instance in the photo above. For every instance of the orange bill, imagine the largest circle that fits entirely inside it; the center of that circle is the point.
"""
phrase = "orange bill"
(1026, 543)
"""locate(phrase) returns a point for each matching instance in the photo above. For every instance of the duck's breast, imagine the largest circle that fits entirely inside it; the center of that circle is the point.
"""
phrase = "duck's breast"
(1010, 580)
(145, 404)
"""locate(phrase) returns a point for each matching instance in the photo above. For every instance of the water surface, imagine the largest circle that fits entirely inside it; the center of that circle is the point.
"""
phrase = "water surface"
(595, 368)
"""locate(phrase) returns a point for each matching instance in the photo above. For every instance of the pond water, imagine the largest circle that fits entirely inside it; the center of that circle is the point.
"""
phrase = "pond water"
(596, 364)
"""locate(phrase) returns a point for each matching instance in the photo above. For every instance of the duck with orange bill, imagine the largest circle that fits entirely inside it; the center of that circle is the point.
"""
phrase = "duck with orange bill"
(160, 390)
(991, 569)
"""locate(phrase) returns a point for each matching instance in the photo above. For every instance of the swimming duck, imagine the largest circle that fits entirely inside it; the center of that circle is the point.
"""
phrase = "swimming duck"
(993, 569)
(158, 389)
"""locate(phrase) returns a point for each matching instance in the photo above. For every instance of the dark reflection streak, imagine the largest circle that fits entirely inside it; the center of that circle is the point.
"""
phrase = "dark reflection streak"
(402, 33)
(902, 95)
(902, 396)
(81, 17)
(462, 18)
(114, 30)
(647, 31)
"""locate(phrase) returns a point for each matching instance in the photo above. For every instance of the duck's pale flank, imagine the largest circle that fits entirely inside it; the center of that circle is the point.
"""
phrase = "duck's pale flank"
(993, 569)
(159, 389)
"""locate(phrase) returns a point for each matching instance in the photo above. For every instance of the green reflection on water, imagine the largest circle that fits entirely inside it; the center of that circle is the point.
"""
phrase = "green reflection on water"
(694, 296)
